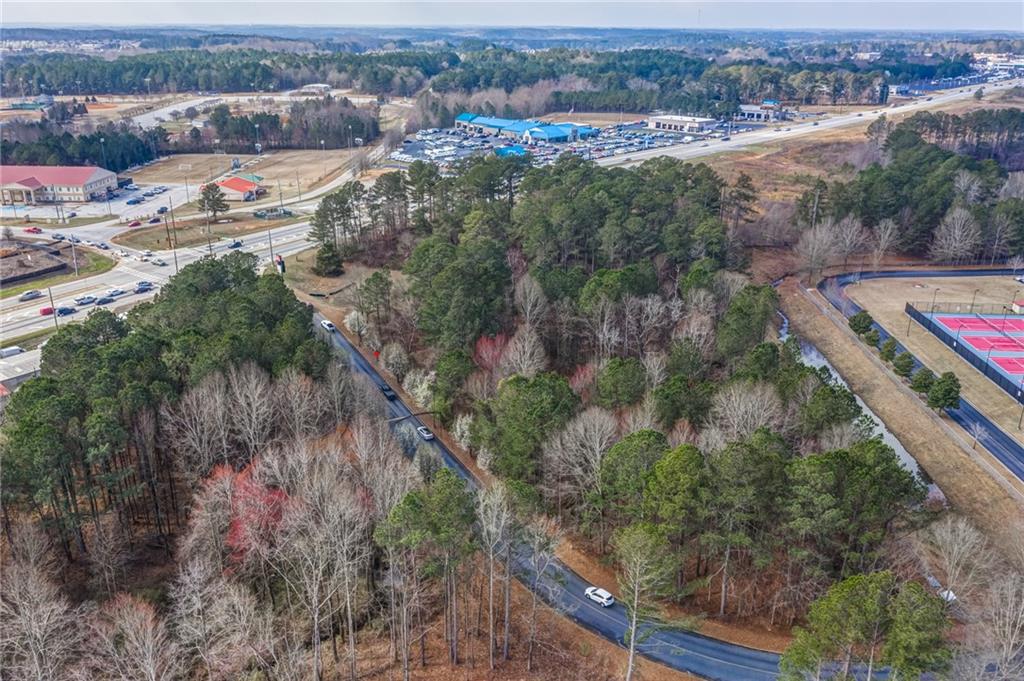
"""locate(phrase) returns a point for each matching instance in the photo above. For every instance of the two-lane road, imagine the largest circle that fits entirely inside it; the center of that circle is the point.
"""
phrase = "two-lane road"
(562, 588)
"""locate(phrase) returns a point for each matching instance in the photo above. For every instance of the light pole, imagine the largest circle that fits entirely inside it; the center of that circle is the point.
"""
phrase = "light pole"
(149, 88)
(257, 138)
(349, 136)
(323, 152)
(103, 148)
(209, 244)
(935, 295)
(52, 307)
(972, 300)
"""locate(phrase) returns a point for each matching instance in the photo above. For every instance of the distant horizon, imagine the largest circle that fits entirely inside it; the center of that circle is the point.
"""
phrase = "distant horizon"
(946, 16)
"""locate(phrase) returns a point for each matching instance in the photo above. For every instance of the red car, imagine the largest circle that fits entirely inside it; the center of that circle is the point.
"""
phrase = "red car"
(34, 230)
(46, 311)
(135, 223)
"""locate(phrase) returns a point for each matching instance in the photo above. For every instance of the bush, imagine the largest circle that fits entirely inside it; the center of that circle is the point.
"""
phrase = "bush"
(903, 365)
(945, 392)
(922, 380)
(328, 262)
(861, 322)
(872, 338)
(396, 360)
(621, 382)
(888, 351)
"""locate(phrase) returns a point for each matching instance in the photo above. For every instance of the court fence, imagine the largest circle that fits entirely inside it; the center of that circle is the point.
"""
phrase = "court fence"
(1013, 388)
(965, 308)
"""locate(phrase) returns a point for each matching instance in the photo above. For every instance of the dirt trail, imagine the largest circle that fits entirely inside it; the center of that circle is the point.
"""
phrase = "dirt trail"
(964, 476)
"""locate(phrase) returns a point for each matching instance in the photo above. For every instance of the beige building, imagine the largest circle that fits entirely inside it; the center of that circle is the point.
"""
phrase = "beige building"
(30, 185)
(674, 123)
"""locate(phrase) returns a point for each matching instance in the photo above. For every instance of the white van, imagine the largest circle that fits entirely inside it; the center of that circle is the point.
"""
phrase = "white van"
(10, 351)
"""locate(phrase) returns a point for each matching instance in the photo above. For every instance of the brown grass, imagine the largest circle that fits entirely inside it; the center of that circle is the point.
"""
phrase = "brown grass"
(193, 232)
(969, 479)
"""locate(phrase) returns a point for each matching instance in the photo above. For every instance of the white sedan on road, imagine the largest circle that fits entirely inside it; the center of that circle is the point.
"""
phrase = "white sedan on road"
(600, 596)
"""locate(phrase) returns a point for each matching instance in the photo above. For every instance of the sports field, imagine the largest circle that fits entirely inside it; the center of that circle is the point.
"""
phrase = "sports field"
(885, 300)
(306, 169)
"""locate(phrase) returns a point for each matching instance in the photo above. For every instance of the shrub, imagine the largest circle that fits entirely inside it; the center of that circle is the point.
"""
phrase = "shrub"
(903, 365)
(945, 392)
(888, 351)
(872, 337)
(396, 360)
(922, 380)
(861, 322)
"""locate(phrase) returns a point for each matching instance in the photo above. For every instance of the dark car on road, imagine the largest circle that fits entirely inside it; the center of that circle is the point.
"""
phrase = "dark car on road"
(105, 300)
(388, 392)
(64, 311)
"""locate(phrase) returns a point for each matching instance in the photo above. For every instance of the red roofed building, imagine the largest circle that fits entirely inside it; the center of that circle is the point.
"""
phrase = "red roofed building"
(239, 189)
(54, 184)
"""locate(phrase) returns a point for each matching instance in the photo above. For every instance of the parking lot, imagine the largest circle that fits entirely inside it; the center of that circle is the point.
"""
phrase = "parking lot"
(445, 146)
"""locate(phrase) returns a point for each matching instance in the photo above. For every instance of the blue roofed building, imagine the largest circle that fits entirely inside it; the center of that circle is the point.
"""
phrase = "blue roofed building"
(525, 130)
(511, 150)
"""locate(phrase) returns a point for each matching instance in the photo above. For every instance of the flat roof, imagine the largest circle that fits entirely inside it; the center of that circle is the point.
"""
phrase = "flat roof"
(683, 119)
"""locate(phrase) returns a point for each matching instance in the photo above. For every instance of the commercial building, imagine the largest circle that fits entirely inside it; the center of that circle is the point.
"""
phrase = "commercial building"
(672, 123)
(767, 110)
(315, 89)
(239, 189)
(531, 132)
(31, 185)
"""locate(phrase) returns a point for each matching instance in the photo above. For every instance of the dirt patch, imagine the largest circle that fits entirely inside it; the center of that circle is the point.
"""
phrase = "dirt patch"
(968, 478)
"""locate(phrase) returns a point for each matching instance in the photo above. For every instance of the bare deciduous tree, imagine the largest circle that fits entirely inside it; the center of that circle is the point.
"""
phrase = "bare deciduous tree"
(541, 537)
(571, 459)
(883, 239)
(957, 237)
(524, 354)
(301, 405)
(817, 247)
(960, 554)
(967, 186)
(39, 629)
(108, 554)
(656, 367)
(741, 408)
(198, 426)
(252, 407)
(530, 300)
(129, 641)
(494, 515)
(1013, 188)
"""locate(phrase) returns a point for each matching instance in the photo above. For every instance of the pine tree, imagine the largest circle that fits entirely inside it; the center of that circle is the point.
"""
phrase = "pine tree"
(211, 200)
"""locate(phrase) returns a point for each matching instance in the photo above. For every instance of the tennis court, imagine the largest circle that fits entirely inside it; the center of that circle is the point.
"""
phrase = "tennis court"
(1011, 365)
(993, 343)
(981, 323)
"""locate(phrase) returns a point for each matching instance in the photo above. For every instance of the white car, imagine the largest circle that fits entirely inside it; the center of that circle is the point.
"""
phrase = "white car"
(114, 292)
(328, 325)
(159, 262)
(600, 596)
(425, 433)
(122, 253)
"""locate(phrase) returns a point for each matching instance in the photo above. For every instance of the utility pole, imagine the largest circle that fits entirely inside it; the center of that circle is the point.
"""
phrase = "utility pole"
(209, 244)
(174, 244)
(74, 257)
(298, 187)
(53, 307)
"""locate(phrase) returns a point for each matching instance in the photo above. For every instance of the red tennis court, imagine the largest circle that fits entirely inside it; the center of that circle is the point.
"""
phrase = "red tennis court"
(996, 343)
(982, 324)
(1011, 365)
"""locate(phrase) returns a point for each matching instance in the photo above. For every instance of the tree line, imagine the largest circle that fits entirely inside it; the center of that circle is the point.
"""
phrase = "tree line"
(45, 143)
(335, 122)
(236, 70)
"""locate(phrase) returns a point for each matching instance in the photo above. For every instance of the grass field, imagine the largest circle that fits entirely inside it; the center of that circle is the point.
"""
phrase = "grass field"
(597, 118)
(89, 263)
(293, 168)
(885, 298)
(193, 232)
(31, 340)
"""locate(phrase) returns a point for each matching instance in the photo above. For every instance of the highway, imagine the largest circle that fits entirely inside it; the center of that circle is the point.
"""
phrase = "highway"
(562, 588)
(789, 130)
(1003, 447)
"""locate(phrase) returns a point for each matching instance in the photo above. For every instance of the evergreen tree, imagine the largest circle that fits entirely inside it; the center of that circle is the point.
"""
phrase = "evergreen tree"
(211, 200)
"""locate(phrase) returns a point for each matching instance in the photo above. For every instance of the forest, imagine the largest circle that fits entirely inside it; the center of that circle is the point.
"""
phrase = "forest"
(46, 143)
(584, 333)
(336, 123)
(397, 73)
(949, 189)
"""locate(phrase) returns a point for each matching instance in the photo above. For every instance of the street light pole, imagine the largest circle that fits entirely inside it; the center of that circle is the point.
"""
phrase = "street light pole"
(53, 307)
(973, 297)
(323, 153)
(934, 296)
(257, 138)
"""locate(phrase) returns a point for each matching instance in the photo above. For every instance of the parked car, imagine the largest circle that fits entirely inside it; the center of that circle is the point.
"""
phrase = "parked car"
(30, 295)
(600, 596)
(328, 325)
(34, 230)
(105, 300)
(161, 210)
(425, 433)
(389, 394)
(64, 311)
(134, 223)
(46, 311)
(85, 300)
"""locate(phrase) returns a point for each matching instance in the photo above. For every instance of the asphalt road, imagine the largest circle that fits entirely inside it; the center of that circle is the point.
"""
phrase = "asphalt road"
(562, 588)
(1002, 446)
(792, 129)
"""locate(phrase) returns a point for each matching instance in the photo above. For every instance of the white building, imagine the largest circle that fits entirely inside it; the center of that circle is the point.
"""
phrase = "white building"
(674, 123)
(54, 184)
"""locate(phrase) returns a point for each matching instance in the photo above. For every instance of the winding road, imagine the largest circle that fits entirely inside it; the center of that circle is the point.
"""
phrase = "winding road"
(563, 589)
